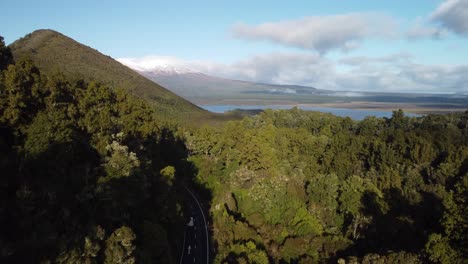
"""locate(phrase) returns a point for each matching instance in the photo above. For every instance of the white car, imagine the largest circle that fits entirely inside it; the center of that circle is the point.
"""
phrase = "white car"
(190, 223)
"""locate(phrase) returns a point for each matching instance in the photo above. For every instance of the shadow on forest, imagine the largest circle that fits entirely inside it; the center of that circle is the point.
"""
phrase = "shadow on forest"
(176, 153)
(54, 201)
(42, 212)
(398, 226)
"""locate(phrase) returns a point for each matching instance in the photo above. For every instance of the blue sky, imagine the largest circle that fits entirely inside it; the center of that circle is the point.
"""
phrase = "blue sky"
(394, 45)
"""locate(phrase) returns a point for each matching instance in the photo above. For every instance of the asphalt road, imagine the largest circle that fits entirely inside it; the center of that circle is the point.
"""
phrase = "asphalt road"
(196, 244)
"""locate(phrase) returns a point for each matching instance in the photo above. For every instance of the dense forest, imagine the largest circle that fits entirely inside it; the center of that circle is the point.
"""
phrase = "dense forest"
(87, 172)
(307, 187)
(92, 174)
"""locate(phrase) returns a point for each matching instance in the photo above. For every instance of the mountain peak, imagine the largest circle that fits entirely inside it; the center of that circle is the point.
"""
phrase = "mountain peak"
(167, 69)
(51, 50)
(36, 38)
(45, 31)
(159, 65)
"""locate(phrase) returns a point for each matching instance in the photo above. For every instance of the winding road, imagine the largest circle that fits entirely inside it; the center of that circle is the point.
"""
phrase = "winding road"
(196, 247)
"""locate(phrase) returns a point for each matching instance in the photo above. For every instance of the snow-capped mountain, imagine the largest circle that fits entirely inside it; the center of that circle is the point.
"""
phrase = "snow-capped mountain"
(199, 87)
(192, 84)
(169, 70)
(161, 65)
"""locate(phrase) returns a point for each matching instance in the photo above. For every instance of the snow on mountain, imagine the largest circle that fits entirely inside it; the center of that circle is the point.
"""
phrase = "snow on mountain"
(175, 75)
(157, 65)
(170, 70)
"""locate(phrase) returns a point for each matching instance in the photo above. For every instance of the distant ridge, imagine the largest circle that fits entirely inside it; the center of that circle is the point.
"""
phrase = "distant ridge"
(205, 89)
(52, 51)
(191, 84)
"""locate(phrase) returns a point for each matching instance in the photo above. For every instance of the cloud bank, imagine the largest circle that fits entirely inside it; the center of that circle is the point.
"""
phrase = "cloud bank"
(347, 31)
(452, 15)
(449, 16)
(422, 29)
(321, 33)
(392, 73)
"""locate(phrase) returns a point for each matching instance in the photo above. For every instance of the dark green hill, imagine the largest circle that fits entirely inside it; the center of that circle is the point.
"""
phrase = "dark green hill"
(52, 51)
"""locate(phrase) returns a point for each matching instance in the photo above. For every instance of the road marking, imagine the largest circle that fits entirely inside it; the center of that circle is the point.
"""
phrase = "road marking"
(195, 236)
(183, 249)
(189, 248)
(193, 260)
(206, 227)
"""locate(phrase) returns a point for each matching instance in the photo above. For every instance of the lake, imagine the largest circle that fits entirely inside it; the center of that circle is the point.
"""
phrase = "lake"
(356, 114)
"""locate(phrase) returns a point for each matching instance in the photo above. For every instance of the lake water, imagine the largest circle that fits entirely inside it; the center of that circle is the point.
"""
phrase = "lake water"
(355, 114)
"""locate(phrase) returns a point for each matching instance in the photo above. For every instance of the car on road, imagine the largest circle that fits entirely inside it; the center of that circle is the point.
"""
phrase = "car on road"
(191, 222)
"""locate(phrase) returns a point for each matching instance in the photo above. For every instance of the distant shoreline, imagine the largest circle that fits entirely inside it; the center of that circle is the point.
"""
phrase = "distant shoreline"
(416, 108)
(407, 107)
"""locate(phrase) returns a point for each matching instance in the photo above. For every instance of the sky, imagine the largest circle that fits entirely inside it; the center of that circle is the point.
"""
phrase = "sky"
(373, 45)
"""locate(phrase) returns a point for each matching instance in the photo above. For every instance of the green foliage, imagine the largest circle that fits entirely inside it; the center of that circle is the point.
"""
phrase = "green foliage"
(51, 50)
(49, 128)
(292, 249)
(77, 155)
(6, 57)
(439, 250)
(89, 252)
(312, 187)
(120, 162)
(323, 193)
(286, 186)
(97, 107)
(245, 253)
(120, 247)
(305, 224)
(19, 98)
(352, 191)
(169, 174)
(394, 257)
(451, 246)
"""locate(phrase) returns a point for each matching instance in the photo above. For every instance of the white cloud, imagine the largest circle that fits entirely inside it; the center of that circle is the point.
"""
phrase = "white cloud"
(422, 29)
(452, 15)
(395, 59)
(392, 73)
(399, 73)
(282, 68)
(449, 16)
(321, 33)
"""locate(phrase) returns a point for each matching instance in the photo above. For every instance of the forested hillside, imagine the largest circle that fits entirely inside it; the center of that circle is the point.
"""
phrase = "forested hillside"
(87, 172)
(52, 52)
(91, 173)
(305, 187)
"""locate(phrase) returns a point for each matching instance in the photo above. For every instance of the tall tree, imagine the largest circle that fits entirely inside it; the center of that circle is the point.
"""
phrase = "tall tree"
(6, 57)
(19, 95)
